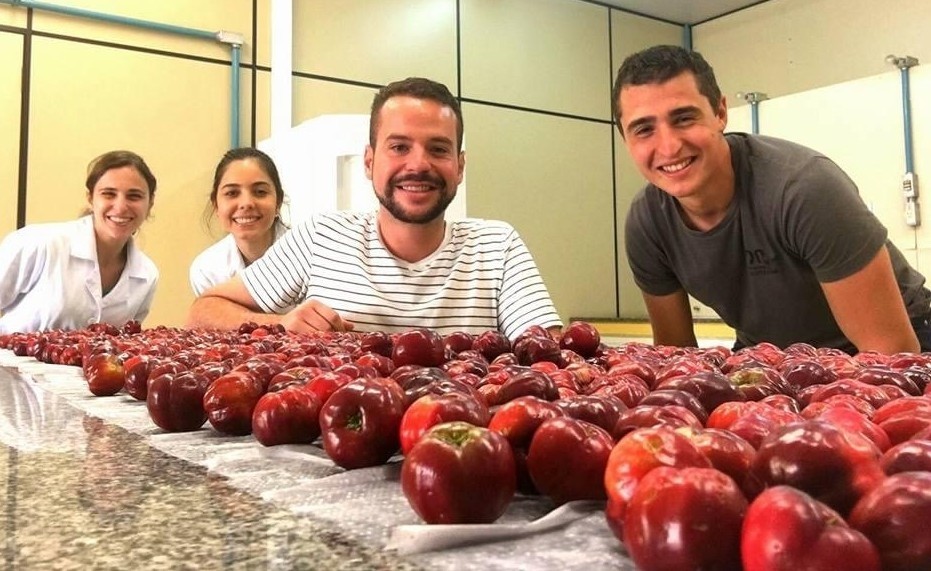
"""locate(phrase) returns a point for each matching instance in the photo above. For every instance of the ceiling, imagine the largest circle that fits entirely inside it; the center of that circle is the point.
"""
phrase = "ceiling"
(681, 11)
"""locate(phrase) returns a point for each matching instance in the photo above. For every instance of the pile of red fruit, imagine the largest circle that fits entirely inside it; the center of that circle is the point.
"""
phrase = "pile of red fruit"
(761, 459)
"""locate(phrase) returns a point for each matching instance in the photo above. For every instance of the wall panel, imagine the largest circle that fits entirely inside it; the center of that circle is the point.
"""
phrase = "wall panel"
(376, 42)
(550, 178)
(87, 100)
(11, 46)
(209, 15)
(541, 54)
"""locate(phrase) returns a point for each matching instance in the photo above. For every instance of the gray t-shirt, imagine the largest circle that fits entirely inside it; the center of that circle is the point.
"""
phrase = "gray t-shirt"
(796, 220)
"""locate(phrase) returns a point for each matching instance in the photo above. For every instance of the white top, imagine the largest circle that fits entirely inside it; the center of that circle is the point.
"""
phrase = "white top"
(221, 261)
(481, 277)
(50, 279)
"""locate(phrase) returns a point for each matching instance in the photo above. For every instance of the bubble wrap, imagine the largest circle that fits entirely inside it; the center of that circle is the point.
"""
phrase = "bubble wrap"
(366, 504)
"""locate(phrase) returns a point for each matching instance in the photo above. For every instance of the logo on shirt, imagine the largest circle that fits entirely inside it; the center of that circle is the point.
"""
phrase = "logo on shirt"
(760, 263)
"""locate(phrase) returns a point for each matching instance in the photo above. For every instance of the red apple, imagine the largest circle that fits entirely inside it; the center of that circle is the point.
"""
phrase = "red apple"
(833, 466)
(567, 459)
(459, 473)
(104, 374)
(421, 346)
(175, 401)
(685, 518)
(637, 454)
(909, 456)
(230, 400)
(895, 517)
(432, 409)
(581, 337)
(785, 529)
(288, 416)
(360, 422)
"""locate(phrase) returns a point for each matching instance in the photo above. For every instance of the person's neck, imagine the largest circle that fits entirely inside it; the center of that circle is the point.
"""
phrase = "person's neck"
(111, 253)
(706, 208)
(410, 242)
(254, 249)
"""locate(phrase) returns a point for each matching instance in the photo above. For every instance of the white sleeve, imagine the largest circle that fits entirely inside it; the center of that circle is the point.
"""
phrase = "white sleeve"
(22, 262)
(199, 280)
(147, 302)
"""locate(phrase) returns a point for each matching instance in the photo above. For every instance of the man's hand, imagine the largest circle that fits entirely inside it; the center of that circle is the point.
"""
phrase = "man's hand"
(312, 316)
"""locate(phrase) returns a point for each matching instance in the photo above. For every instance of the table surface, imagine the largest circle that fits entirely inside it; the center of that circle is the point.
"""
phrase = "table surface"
(91, 483)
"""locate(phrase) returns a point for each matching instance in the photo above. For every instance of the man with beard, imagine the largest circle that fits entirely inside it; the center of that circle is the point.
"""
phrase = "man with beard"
(402, 266)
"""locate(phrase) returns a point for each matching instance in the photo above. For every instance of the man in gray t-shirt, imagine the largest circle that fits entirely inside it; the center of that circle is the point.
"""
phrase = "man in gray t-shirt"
(771, 235)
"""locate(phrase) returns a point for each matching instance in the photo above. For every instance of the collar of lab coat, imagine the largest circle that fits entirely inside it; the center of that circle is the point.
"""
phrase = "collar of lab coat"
(84, 246)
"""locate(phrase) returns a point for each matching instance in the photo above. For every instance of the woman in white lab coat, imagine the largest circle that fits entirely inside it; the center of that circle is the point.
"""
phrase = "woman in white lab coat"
(246, 199)
(67, 275)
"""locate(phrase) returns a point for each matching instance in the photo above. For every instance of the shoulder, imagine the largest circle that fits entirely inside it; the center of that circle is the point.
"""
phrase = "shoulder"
(340, 222)
(482, 228)
(220, 250)
(38, 236)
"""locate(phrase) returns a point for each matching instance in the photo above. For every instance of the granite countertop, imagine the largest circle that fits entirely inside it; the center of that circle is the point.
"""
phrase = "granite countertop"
(91, 483)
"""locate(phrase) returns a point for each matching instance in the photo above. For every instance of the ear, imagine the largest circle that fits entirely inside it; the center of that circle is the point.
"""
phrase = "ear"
(721, 112)
(369, 156)
(462, 161)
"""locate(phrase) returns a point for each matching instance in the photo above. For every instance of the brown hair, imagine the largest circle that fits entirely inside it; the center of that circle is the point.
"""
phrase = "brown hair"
(418, 88)
(119, 159)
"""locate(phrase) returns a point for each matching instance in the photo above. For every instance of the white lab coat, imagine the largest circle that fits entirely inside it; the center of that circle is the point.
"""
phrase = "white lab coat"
(50, 279)
(221, 261)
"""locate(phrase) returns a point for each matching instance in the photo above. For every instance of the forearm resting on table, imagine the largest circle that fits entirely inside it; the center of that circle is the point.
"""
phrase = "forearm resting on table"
(215, 312)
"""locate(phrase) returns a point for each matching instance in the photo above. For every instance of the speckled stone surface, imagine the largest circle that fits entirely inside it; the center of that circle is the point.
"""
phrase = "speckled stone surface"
(91, 483)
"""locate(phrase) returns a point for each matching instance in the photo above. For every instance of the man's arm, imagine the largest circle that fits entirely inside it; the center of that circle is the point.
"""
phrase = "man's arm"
(671, 319)
(229, 304)
(869, 309)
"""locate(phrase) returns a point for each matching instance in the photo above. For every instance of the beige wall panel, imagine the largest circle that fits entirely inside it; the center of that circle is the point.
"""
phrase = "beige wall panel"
(630, 33)
(12, 16)
(541, 54)
(87, 100)
(629, 183)
(786, 46)
(263, 111)
(313, 98)
(518, 170)
(11, 46)
(263, 25)
(209, 15)
(376, 42)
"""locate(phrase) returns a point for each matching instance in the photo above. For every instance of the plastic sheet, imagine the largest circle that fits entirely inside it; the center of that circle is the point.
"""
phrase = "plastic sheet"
(366, 504)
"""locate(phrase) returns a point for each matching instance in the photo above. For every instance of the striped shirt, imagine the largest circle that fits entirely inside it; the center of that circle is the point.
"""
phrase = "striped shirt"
(481, 277)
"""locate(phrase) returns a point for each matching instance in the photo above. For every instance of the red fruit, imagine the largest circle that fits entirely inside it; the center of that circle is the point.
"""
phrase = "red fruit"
(175, 401)
(360, 422)
(459, 473)
(581, 337)
(637, 454)
(104, 374)
(517, 420)
(422, 347)
(432, 409)
(324, 384)
(909, 456)
(822, 460)
(491, 344)
(728, 453)
(786, 530)
(685, 518)
(288, 416)
(601, 411)
(643, 416)
(458, 342)
(567, 459)
(230, 400)
(895, 517)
